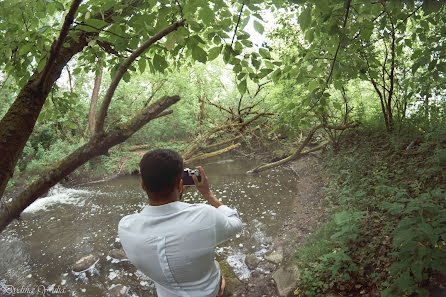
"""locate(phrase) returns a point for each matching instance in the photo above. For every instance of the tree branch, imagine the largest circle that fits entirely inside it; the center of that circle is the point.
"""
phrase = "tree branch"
(96, 146)
(69, 18)
(238, 22)
(123, 68)
(298, 152)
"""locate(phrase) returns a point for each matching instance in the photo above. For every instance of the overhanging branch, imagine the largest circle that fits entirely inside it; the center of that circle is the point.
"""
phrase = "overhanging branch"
(123, 69)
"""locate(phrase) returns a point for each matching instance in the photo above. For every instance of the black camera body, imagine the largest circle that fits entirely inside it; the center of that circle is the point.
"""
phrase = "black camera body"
(187, 176)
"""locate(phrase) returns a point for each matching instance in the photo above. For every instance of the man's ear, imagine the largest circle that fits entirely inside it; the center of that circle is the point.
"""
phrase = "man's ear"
(180, 186)
(143, 186)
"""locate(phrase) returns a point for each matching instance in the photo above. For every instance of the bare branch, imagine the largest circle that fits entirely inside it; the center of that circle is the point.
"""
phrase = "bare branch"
(298, 152)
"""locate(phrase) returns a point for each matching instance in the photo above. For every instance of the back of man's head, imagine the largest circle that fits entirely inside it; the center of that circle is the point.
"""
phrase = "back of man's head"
(161, 170)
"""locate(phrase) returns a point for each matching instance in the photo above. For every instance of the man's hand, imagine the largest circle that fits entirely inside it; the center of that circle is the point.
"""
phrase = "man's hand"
(203, 188)
(203, 185)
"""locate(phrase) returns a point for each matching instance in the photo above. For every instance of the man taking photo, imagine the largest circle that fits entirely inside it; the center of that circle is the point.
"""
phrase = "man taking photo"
(173, 242)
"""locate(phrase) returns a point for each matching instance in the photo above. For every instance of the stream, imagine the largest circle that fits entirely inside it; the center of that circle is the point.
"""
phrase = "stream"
(39, 251)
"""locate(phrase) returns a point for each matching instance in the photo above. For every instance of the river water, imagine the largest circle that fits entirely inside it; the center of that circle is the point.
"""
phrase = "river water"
(55, 231)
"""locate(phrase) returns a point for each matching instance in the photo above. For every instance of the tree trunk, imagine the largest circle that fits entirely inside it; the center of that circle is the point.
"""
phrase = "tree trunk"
(94, 98)
(18, 123)
(98, 145)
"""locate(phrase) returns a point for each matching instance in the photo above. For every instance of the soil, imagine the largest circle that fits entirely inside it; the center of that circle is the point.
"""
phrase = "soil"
(307, 214)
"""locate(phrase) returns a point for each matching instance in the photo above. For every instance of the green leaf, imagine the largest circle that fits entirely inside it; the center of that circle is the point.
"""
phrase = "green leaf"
(258, 27)
(314, 84)
(255, 62)
(309, 36)
(264, 53)
(8, 52)
(264, 72)
(276, 75)
(86, 28)
(126, 77)
(142, 64)
(207, 15)
(214, 52)
(337, 105)
(432, 65)
(43, 29)
(159, 63)
(96, 23)
(305, 19)
(170, 42)
(199, 54)
(242, 87)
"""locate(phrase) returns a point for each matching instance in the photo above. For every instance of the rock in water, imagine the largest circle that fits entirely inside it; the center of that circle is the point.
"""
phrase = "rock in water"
(85, 263)
(117, 244)
(118, 291)
(232, 282)
(252, 261)
(286, 278)
(276, 256)
(118, 254)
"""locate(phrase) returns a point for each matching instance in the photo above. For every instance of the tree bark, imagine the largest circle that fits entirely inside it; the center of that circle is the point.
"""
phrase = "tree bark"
(94, 98)
(97, 145)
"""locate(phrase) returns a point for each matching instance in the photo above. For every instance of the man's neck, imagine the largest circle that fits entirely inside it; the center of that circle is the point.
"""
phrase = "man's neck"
(162, 202)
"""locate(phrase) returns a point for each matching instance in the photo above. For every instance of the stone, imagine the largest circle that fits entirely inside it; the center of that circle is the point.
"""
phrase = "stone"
(286, 278)
(232, 281)
(118, 254)
(252, 261)
(117, 291)
(276, 256)
(117, 244)
(85, 263)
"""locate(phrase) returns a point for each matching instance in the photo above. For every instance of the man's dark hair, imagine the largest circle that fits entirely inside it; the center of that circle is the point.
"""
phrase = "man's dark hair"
(160, 170)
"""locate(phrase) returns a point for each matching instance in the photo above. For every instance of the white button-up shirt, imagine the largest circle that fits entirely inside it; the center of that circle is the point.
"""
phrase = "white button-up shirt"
(174, 244)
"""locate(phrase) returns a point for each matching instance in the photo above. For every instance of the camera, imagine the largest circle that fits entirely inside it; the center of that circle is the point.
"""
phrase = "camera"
(187, 176)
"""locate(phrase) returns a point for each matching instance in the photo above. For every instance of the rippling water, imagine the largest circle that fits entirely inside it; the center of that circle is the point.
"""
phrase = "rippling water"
(39, 251)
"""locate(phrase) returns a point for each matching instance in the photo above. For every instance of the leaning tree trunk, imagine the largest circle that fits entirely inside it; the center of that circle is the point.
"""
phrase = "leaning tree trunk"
(98, 145)
(100, 141)
(18, 123)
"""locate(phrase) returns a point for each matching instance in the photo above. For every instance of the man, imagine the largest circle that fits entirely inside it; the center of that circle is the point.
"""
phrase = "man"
(173, 242)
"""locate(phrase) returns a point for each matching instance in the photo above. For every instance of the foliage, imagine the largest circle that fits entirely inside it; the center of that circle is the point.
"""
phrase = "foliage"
(394, 46)
(388, 205)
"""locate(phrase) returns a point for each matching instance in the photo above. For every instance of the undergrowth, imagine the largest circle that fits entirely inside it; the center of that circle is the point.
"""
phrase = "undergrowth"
(386, 232)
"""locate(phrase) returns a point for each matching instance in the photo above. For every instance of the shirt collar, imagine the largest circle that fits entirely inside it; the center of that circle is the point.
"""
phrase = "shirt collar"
(165, 209)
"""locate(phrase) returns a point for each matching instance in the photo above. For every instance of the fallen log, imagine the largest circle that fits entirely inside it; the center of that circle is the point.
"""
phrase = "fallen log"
(298, 152)
(212, 154)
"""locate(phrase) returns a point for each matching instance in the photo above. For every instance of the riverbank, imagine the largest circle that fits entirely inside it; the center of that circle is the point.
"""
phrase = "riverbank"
(276, 273)
(384, 234)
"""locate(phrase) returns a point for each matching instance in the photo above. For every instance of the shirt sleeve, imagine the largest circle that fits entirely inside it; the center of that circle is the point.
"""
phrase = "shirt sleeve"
(227, 223)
